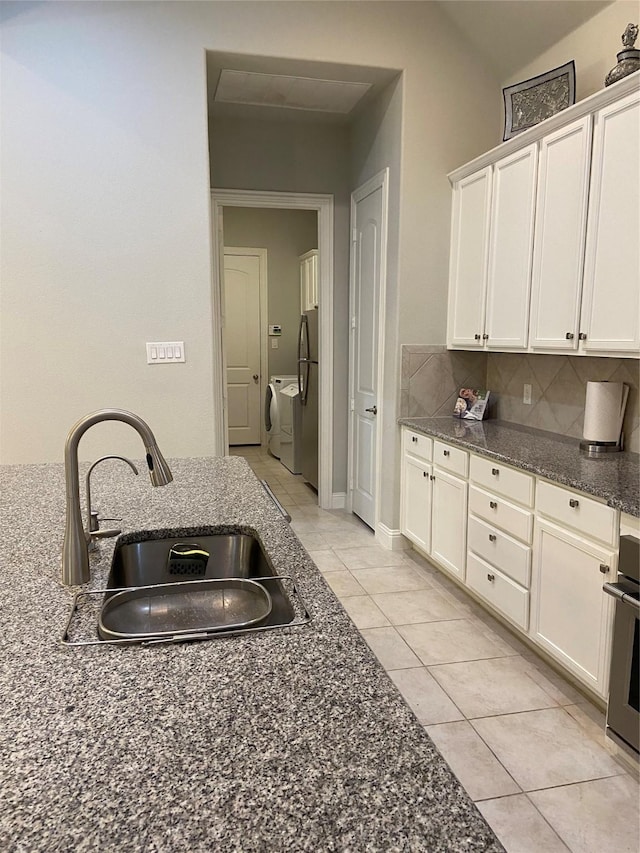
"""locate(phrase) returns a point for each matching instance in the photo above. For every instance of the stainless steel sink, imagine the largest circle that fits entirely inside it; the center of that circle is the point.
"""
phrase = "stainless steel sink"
(164, 576)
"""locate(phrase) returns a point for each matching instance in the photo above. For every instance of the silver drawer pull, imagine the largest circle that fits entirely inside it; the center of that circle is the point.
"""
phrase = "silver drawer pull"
(414, 438)
(493, 504)
(424, 474)
(491, 577)
(604, 569)
(432, 477)
(573, 503)
(492, 537)
(569, 336)
(446, 453)
(495, 471)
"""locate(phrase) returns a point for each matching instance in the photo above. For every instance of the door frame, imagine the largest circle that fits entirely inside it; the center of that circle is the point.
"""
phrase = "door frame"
(323, 205)
(261, 254)
(379, 181)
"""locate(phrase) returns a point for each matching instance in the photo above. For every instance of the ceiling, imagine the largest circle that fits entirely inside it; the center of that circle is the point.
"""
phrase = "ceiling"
(507, 34)
(510, 34)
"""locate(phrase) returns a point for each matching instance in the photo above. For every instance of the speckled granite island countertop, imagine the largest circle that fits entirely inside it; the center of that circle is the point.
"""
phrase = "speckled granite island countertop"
(289, 740)
(614, 477)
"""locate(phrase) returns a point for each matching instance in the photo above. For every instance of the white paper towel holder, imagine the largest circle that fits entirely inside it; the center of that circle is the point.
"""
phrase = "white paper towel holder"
(596, 448)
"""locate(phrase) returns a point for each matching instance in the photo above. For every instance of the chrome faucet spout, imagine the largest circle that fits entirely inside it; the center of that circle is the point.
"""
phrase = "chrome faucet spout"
(75, 555)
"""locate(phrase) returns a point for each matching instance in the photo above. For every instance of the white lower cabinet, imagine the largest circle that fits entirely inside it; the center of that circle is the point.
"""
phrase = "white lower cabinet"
(416, 501)
(571, 617)
(433, 508)
(448, 522)
(540, 569)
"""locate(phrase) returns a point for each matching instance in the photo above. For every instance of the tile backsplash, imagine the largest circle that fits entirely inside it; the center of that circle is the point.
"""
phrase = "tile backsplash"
(431, 377)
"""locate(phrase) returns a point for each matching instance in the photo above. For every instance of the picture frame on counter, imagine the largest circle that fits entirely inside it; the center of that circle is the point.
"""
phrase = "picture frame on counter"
(538, 98)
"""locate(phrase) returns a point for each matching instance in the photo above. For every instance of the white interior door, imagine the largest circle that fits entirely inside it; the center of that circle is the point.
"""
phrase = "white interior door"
(368, 221)
(243, 274)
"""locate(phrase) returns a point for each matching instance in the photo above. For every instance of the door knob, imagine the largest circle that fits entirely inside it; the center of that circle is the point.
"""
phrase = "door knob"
(372, 409)
(255, 377)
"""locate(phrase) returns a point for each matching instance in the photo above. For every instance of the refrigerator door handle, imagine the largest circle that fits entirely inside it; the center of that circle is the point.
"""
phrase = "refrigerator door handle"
(303, 343)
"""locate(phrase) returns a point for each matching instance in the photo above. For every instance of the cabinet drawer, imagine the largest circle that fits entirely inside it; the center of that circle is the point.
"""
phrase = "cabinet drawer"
(508, 597)
(417, 444)
(515, 520)
(451, 458)
(511, 557)
(572, 509)
(494, 475)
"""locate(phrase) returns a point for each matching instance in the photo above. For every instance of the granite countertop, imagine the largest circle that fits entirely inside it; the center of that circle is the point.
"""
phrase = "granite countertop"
(293, 739)
(614, 477)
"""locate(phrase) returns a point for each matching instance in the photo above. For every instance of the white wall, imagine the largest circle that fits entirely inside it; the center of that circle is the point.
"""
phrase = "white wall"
(593, 46)
(285, 234)
(106, 207)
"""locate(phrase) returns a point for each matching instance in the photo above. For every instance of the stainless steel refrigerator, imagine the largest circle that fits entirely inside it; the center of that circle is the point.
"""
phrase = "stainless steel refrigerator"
(308, 387)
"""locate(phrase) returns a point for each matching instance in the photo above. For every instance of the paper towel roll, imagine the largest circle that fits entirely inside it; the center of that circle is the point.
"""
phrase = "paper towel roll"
(604, 410)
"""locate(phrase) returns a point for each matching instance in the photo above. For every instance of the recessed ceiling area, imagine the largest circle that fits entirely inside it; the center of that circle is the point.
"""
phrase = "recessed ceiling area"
(277, 89)
(288, 92)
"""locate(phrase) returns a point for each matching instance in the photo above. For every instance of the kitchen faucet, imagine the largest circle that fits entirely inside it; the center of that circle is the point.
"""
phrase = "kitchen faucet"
(75, 552)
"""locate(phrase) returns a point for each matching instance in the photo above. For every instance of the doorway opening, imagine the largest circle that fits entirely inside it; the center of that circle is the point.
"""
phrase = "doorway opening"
(235, 396)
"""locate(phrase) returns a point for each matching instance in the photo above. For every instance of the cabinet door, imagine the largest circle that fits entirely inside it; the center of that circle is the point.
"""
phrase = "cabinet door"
(560, 227)
(511, 249)
(415, 509)
(571, 616)
(468, 261)
(611, 302)
(449, 522)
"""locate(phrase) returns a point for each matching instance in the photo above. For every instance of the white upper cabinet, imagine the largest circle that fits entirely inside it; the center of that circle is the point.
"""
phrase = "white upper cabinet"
(561, 216)
(511, 249)
(545, 255)
(469, 259)
(611, 304)
(309, 280)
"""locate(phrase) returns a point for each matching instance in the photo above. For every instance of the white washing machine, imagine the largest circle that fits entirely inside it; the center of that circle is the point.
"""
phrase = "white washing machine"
(272, 411)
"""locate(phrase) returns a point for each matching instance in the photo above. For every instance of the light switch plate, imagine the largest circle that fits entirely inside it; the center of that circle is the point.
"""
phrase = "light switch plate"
(165, 352)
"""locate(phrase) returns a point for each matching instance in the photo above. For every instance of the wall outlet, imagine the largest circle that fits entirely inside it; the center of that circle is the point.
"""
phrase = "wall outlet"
(526, 395)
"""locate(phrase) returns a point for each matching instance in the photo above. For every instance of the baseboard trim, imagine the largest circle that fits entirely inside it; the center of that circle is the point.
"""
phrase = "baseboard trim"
(392, 540)
(338, 500)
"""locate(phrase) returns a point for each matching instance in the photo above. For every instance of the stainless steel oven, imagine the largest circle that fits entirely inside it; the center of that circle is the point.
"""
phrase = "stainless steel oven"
(623, 712)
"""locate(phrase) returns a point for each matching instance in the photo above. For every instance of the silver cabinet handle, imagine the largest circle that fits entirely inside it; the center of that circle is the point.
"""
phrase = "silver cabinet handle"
(582, 336)
(485, 337)
(604, 569)
(569, 336)
(372, 409)
(491, 577)
(414, 438)
(495, 471)
(446, 453)
(492, 537)
(477, 337)
(255, 377)
(493, 505)
(424, 474)
(573, 503)
(432, 477)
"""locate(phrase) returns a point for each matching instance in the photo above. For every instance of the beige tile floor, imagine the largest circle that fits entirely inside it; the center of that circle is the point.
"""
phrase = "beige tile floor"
(528, 748)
